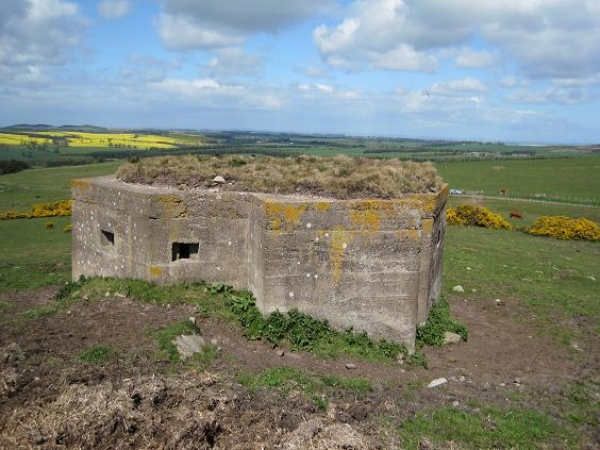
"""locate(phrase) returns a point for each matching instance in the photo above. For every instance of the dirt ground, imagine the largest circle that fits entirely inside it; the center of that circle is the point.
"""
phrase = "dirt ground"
(48, 399)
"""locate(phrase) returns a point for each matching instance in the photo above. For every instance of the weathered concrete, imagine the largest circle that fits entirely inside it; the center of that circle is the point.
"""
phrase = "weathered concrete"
(371, 264)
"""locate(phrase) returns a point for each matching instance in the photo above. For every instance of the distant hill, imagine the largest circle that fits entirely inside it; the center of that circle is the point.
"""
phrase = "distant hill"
(45, 127)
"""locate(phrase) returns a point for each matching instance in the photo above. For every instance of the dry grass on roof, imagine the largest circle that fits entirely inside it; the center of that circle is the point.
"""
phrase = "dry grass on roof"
(339, 177)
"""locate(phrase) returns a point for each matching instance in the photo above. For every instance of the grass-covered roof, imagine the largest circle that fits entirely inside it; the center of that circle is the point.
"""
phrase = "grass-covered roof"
(340, 177)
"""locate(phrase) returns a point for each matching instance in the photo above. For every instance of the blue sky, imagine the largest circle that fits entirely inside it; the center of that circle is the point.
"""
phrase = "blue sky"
(507, 70)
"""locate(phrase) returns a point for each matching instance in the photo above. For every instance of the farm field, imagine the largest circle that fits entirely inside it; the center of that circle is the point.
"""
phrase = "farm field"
(571, 180)
(528, 377)
(76, 139)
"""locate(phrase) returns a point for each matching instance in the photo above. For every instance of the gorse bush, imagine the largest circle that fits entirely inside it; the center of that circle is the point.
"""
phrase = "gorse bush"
(563, 227)
(57, 209)
(476, 216)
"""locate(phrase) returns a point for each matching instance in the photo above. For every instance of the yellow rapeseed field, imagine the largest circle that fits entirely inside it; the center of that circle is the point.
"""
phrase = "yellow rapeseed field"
(96, 140)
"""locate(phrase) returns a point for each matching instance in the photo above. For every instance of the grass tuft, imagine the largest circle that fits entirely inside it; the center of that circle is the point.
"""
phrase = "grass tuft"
(339, 177)
(98, 355)
(438, 323)
(314, 386)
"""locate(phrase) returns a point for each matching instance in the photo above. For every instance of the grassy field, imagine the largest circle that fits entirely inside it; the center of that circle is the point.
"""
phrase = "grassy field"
(574, 180)
(20, 191)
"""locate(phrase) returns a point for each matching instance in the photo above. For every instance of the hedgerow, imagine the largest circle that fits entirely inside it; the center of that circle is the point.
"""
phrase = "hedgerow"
(476, 216)
(57, 209)
(563, 227)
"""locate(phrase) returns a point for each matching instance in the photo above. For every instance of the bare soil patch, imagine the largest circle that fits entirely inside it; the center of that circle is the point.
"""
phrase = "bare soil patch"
(49, 399)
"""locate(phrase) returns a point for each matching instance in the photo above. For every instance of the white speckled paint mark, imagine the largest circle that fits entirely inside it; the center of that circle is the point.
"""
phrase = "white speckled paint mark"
(308, 225)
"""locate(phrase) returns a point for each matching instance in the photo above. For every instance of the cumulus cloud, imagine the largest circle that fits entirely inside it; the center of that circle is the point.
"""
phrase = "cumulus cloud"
(545, 39)
(202, 24)
(209, 92)
(37, 32)
(476, 59)
(233, 62)
(113, 9)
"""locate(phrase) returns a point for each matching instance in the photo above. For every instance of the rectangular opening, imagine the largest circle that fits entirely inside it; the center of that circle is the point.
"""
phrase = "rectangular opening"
(107, 238)
(183, 250)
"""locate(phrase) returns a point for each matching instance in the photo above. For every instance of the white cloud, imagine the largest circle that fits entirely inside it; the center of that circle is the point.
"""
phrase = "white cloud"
(570, 95)
(208, 92)
(475, 59)
(183, 33)
(201, 24)
(544, 39)
(453, 87)
(233, 62)
(113, 9)
(404, 58)
(37, 32)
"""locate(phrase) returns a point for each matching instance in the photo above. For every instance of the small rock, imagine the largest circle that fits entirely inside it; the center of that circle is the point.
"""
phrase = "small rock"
(280, 353)
(458, 288)
(425, 444)
(455, 404)
(120, 295)
(188, 344)
(350, 366)
(498, 302)
(517, 380)
(192, 319)
(219, 180)
(437, 382)
(451, 338)
(462, 379)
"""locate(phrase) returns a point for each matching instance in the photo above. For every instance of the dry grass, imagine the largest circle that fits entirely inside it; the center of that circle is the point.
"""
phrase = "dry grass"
(339, 177)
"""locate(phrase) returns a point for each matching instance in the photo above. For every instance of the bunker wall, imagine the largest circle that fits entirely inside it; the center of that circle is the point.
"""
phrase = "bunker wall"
(374, 265)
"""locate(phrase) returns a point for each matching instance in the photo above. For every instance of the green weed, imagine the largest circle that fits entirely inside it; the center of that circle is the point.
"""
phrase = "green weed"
(304, 332)
(438, 323)
(98, 355)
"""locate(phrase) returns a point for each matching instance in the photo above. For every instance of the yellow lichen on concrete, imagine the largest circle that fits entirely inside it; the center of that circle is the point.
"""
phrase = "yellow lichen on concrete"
(322, 206)
(340, 240)
(173, 205)
(366, 221)
(156, 271)
(284, 215)
(427, 225)
(81, 185)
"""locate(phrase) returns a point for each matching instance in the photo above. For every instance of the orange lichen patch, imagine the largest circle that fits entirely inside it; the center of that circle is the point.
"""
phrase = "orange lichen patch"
(427, 225)
(80, 185)
(366, 221)
(276, 224)
(322, 206)
(413, 235)
(273, 208)
(284, 215)
(293, 213)
(173, 205)
(340, 240)
(156, 271)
